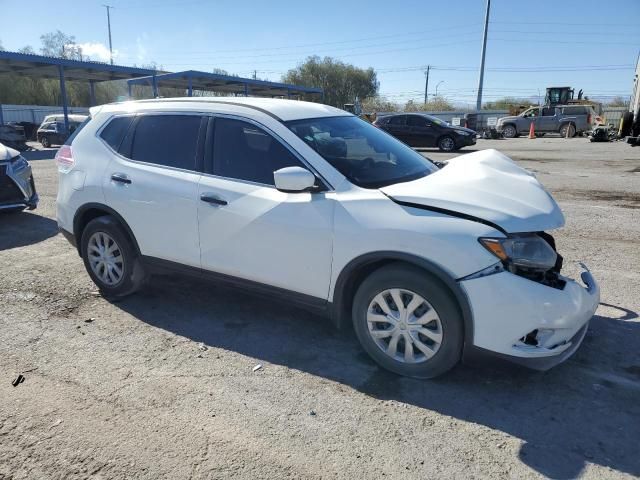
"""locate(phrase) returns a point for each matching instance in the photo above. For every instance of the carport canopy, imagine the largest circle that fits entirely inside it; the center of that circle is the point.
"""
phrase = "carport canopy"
(191, 80)
(64, 69)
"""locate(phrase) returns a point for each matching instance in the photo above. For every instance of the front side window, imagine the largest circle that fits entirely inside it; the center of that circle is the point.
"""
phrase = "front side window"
(167, 140)
(243, 151)
(416, 121)
(367, 156)
(532, 112)
(398, 120)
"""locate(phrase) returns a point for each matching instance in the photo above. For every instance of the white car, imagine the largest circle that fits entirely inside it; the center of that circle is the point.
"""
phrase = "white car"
(311, 204)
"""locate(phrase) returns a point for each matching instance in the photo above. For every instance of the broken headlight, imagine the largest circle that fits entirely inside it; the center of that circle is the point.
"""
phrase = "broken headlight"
(528, 251)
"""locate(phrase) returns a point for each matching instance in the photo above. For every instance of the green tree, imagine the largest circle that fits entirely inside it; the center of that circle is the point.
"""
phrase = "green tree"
(506, 103)
(436, 104)
(379, 104)
(341, 82)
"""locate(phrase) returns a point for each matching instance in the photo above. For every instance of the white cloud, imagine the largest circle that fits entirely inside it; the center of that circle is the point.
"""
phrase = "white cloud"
(96, 51)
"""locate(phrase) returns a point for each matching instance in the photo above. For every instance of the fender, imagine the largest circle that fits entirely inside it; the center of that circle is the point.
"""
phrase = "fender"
(340, 312)
(108, 210)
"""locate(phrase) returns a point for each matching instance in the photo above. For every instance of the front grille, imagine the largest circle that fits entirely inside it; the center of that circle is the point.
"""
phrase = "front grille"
(9, 191)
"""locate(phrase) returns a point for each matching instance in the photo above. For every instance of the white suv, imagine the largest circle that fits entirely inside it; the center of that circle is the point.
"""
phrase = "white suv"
(307, 202)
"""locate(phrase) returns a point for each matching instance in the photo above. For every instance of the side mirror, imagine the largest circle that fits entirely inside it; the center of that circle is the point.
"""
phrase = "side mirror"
(294, 179)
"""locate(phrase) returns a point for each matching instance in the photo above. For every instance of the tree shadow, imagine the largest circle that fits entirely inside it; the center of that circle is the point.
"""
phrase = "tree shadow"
(23, 228)
(584, 411)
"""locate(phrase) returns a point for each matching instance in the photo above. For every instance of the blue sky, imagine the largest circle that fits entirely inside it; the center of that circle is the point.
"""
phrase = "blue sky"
(532, 44)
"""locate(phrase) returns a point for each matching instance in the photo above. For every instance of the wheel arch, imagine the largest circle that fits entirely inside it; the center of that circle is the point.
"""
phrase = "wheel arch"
(88, 212)
(359, 268)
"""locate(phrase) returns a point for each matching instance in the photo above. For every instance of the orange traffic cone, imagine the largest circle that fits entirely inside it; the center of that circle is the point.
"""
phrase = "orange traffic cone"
(532, 133)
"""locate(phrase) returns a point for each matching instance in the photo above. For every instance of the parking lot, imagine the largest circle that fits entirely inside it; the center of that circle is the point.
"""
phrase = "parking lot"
(162, 384)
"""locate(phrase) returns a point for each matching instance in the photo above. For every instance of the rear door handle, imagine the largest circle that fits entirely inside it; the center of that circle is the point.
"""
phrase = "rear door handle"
(120, 178)
(212, 199)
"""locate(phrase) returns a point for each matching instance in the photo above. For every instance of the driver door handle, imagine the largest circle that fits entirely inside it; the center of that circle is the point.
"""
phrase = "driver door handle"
(212, 199)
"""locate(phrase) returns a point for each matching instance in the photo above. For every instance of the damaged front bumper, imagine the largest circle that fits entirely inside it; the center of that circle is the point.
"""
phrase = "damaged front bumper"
(529, 323)
(17, 187)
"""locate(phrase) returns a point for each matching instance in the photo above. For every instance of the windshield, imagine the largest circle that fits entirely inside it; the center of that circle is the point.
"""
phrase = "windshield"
(367, 156)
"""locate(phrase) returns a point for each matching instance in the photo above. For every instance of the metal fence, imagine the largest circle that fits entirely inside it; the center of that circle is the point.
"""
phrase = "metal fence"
(34, 113)
(612, 115)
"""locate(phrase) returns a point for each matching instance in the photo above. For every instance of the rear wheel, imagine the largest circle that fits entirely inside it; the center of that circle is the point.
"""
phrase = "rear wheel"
(110, 258)
(408, 322)
(446, 144)
(568, 129)
(509, 131)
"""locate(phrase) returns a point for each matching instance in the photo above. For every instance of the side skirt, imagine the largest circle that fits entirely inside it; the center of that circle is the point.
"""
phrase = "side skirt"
(313, 304)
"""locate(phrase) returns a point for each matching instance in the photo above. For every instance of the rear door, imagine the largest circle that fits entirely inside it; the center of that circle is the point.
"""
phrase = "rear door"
(153, 181)
(421, 131)
(251, 230)
(548, 121)
(397, 126)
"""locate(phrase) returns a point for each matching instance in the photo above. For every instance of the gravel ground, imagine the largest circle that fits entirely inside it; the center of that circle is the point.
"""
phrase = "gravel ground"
(162, 384)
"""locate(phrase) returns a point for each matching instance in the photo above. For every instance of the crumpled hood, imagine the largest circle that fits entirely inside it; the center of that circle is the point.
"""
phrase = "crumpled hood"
(486, 185)
(7, 153)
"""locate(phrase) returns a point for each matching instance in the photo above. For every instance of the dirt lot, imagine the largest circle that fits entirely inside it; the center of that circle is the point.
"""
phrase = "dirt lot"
(161, 385)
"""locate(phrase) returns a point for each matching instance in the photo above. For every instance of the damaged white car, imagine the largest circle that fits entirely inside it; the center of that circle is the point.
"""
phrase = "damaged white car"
(309, 204)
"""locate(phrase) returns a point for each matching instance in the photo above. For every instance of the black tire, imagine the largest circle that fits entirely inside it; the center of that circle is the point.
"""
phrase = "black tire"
(563, 130)
(539, 134)
(509, 131)
(447, 144)
(411, 278)
(133, 276)
(45, 142)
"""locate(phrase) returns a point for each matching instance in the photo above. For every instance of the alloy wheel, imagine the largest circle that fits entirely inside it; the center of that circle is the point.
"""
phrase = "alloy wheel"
(105, 258)
(447, 144)
(404, 325)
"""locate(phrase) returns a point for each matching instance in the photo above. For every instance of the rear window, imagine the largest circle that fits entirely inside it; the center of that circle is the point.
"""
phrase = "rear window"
(115, 131)
(168, 140)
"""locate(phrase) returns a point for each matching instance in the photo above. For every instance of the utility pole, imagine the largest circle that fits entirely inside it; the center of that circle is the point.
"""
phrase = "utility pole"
(426, 83)
(484, 51)
(108, 7)
(255, 74)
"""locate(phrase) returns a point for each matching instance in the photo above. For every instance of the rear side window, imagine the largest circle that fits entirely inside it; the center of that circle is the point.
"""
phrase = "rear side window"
(168, 140)
(548, 111)
(575, 110)
(115, 131)
(399, 120)
(244, 151)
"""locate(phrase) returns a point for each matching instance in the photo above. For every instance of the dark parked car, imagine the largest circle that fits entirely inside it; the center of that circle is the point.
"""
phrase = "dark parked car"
(17, 189)
(419, 130)
(53, 133)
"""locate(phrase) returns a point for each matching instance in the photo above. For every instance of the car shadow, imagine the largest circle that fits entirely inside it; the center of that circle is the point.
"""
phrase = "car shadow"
(24, 228)
(584, 411)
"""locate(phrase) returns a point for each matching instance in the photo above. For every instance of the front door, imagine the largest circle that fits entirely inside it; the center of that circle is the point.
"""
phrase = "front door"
(249, 229)
(421, 132)
(153, 184)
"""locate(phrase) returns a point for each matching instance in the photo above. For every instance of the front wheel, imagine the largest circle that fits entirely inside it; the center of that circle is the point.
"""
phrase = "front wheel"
(110, 258)
(509, 131)
(45, 142)
(408, 322)
(446, 144)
